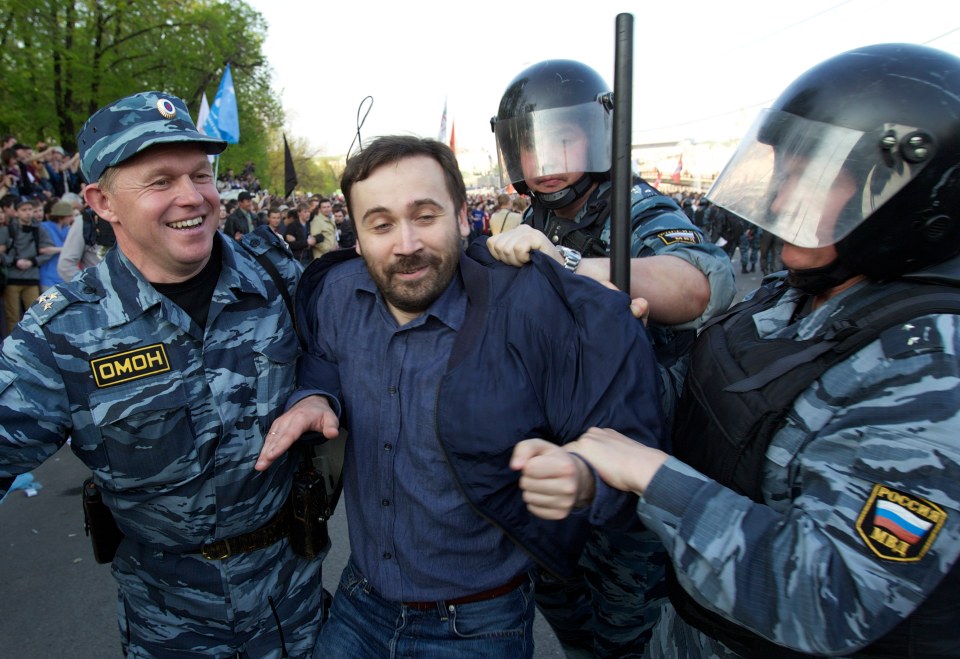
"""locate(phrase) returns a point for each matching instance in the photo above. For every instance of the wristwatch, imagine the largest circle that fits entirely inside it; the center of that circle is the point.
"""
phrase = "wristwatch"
(571, 257)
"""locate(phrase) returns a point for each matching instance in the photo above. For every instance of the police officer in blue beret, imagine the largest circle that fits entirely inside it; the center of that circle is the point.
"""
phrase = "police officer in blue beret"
(168, 364)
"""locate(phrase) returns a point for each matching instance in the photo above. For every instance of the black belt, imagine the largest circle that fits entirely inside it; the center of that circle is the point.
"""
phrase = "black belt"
(483, 595)
(271, 532)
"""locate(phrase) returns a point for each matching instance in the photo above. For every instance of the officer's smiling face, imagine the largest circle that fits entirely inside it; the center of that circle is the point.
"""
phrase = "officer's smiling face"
(163, 205)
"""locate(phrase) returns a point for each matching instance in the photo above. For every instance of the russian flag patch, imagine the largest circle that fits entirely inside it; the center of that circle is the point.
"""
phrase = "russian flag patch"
(897, 526)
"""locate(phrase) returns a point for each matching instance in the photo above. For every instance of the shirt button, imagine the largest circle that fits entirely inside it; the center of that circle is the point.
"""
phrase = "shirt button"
(388, 446)
(387, 555)
(385, 502)
(392, 390)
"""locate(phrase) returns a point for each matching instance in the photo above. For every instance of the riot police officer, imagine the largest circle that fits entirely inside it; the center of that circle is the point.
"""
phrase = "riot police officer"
(813, 503)
(554, 140)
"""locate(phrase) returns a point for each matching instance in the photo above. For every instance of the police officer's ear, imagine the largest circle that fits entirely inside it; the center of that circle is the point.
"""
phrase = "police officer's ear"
(99, 201)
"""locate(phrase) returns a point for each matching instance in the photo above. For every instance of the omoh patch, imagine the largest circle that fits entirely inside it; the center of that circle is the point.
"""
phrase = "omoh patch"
(129, 365)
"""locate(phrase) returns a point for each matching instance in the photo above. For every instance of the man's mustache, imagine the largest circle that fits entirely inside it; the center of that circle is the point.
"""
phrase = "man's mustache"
(412, 263)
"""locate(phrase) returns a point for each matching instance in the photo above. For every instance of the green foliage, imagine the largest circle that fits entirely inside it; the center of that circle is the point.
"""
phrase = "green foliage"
(62, 60)
(316, 174)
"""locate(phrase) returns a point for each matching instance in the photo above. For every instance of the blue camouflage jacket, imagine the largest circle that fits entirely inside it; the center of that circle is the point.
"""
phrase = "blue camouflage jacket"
(859, 522)
(169, 416)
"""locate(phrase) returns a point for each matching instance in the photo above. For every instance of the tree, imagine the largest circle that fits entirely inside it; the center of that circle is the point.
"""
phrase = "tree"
(62, 60)
(316, 174)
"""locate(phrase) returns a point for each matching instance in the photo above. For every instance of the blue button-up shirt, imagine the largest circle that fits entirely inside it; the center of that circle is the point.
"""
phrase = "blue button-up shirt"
(412, 532)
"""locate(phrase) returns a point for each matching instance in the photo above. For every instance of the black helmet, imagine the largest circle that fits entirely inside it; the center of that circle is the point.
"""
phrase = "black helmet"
(557, 115)
(869, 141)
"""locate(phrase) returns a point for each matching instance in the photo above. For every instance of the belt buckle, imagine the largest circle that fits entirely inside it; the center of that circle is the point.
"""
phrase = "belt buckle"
(209, 552)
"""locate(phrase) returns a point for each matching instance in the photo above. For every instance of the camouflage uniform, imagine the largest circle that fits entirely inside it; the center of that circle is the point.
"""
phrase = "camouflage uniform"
(170, 417)
(807, 567)
(610, 611)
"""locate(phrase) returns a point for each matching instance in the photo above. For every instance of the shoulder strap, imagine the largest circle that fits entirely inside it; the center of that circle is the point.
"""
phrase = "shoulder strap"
(861, 326)
(277, 278)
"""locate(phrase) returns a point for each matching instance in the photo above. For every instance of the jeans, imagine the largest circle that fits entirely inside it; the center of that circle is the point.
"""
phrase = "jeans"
(363, 624)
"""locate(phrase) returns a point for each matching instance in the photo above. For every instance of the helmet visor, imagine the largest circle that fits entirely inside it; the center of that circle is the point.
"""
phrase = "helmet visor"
(554, 141)
(808, 182)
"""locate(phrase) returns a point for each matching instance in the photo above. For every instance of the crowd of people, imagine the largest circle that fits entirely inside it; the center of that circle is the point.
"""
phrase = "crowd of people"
(656, 472)
(48, 233)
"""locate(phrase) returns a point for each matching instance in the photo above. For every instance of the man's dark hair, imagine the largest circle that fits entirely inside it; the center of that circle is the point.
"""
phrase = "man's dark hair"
(390, 149)
(9, 200)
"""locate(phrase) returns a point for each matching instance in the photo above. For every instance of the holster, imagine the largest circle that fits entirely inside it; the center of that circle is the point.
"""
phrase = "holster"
(310, 510)
(98, 524)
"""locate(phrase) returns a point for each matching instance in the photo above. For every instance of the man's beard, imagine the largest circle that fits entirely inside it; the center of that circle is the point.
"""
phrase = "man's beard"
(415, 296)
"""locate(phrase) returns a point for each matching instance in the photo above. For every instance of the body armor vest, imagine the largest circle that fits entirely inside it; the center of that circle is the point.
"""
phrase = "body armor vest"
(738, 391)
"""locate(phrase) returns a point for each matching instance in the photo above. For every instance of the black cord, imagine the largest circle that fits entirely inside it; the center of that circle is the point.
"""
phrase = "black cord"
(357, 139)
(283, 646)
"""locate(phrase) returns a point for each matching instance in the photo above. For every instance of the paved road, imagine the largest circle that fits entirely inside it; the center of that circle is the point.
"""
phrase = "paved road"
(55, 601)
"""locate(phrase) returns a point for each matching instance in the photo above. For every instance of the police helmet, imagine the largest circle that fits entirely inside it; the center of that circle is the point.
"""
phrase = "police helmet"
(863, 152)
(554, 118)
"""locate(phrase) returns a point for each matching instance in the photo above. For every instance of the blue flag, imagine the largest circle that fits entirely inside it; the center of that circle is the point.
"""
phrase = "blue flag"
(224, 120)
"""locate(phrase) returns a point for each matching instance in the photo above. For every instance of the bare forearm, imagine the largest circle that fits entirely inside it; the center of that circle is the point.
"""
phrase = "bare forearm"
(676, 291)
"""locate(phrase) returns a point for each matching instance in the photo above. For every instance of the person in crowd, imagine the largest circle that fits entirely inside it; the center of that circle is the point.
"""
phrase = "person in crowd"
(346, 236)
(27, 176)
(478, 219)
(87, 241)
(520, 204)
(323, 230)
(554, 139)
(749, 248)
(222, 221)
(242, 220)
(29, 248)
(295, 232)
(504, 218)
(275, 225)
(429, 481)
(58, 225)
(167, 364)
(314, 203)
(8, 215)
(813, 502)
(11, 172)
(770, 246)
(727, 229)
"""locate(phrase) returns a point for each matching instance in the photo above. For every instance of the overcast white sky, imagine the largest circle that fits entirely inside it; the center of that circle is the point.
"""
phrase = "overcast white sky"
(702, 69)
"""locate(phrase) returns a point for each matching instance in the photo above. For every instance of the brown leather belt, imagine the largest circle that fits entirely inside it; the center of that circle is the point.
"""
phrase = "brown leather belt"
(271, 532)
(484, 595)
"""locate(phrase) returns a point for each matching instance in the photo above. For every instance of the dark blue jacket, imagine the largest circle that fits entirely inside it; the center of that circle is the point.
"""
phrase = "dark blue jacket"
(542, 353)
